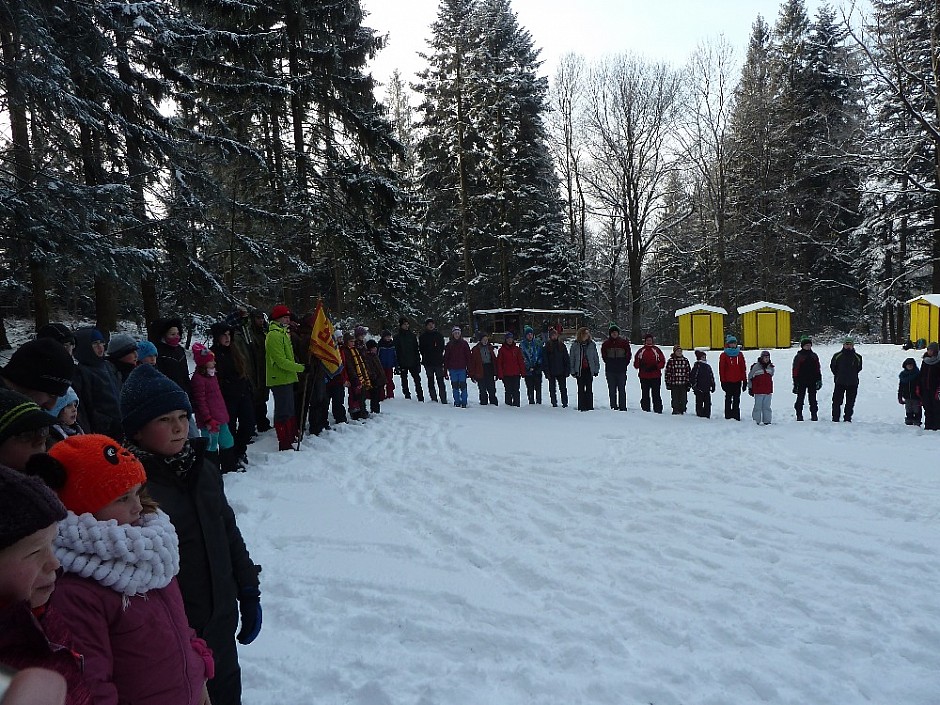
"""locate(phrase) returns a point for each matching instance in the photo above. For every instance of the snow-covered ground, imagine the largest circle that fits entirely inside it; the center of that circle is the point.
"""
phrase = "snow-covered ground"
(490, 556)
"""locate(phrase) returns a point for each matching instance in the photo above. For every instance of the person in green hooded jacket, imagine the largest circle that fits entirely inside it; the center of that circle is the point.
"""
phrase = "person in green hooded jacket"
(281, 375)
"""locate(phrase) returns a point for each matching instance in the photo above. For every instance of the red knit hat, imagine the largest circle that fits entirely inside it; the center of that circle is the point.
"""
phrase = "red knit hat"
(202, 355)
(98, 470)
(279, 311)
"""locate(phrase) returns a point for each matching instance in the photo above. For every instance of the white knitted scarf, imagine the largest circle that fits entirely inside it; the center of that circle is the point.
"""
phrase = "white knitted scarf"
(128, 559)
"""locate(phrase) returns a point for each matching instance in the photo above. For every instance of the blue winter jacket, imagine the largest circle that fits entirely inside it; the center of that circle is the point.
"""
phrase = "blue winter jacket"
(532, 354)
(387, 355)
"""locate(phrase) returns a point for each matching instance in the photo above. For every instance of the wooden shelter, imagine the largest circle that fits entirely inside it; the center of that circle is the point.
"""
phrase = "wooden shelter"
(701, 326)
(925, 317)
(499, 321)
(766, 325)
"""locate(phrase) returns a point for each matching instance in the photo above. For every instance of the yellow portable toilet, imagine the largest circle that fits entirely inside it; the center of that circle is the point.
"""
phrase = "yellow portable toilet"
(925, 317)
(701, 327)
(766, 325)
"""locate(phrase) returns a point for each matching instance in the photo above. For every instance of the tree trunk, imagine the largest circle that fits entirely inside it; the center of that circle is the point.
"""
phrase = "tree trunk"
(105, 304)
(148, 292)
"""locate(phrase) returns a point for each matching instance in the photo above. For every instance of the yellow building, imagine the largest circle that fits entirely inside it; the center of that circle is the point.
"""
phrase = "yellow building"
(701, 327)
(925, 317)
(766, 325)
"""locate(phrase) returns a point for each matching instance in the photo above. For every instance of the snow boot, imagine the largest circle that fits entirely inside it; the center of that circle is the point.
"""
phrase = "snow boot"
(228, 461)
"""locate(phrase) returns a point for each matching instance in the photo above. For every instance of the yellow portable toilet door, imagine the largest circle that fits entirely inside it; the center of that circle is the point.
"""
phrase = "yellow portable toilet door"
(701, 330)
(766, 329)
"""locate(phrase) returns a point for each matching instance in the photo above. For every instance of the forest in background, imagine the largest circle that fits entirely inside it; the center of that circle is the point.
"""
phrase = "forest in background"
(177, 156)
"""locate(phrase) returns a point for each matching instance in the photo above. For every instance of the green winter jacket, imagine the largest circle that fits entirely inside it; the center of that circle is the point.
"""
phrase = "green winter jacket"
(280, 367)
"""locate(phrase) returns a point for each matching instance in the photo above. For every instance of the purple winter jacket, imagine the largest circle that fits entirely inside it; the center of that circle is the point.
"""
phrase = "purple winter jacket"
(457, 355)
(139, 653)
(208, 402)
(44, 641)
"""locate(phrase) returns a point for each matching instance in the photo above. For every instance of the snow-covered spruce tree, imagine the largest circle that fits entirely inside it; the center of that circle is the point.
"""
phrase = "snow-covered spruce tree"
(900, 235)
(449, 151)
(522, 219)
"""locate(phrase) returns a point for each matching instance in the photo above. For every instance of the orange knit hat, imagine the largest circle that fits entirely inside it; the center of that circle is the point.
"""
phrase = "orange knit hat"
(98, 470)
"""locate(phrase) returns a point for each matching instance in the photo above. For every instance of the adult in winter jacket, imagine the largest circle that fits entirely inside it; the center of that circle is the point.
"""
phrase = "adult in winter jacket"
(677, 375)
(532, 353)
(166, 334)
(702, 381)
(409, 358)
(233, 371)
(732, 374)
(909, 392)
(616, 354)
(585, 365)
(258, 328)
(456, 365)
(98, 385)
(281, 375)
(217, 577)
(482, 369)
(357, 375)
(807, 379)
(760, 385)
(650, 361)
(845, 366)
(376, 375)
(928, 383)
(431, 344)
(510, 368)
(557, 368)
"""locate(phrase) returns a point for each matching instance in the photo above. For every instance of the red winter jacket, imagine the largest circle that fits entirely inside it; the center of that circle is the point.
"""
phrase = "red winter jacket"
(650, 361)
(761, 378)
(457, 355)
(144, 652)
(509, 362)
(208, 403)
(732, 369)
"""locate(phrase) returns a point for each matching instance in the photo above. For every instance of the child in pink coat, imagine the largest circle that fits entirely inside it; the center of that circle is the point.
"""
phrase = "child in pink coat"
(209, 407)
(118, 592)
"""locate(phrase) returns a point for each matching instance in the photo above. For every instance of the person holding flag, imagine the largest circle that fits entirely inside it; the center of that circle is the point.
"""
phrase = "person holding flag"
(329, 378)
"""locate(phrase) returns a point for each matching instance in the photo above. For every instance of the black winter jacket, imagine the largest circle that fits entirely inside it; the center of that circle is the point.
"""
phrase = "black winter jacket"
(806, 369)
(406, 349)
(557, 359)
(431, 344)
(98, 386)
(234, 387)
(845, 366)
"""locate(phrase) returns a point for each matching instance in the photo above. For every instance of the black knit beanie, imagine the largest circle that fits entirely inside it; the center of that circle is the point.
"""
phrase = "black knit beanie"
(148, 393)
(43, 365)
(19, 414)
(26, 506)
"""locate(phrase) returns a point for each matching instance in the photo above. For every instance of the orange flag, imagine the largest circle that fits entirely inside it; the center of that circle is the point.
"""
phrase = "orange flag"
(322, 344)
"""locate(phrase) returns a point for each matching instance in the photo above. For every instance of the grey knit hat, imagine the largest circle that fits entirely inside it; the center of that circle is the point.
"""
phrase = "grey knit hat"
(120, 345)
(26, 506)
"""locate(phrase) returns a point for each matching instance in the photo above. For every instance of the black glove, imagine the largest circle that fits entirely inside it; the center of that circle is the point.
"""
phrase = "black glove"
(751, 392)
(249, 605)
(795, 390)
(818, 384)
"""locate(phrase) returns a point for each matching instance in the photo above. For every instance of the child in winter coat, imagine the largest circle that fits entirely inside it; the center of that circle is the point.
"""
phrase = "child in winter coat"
(24, 429)
(909, 393)
(482, 369)
(217, 577)
(122, 353)
(702, 380)
(650, 361)
(456, 365)
(732, 373)
(677, 380)
(146, 353)
(532, 354)
(281, 370)
(358, 375)
(389, 361)
(32, 633)
(760, 385)
(558, 367)
(807, 379)
(211, 413)
(118, 592)
(97, 383)
(616, 354)
(376, 376)
(510, 368)
(65, 413)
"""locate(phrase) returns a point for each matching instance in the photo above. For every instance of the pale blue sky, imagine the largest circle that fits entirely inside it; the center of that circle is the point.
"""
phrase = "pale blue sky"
(665, 30)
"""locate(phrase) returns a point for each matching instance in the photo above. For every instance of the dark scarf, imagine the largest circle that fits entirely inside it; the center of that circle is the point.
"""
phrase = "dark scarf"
(181, 463)
(907, 376)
